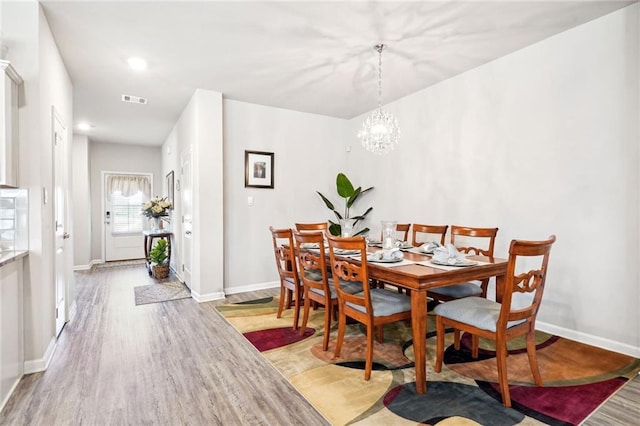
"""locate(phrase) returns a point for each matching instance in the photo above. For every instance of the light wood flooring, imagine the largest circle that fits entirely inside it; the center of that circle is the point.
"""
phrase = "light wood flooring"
(169, 363)
(174, 363)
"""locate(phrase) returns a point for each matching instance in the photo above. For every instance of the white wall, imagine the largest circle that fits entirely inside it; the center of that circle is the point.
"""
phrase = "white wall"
(542, 141)
(34, 54)
(81, 208)
(111, 157)
(309, 153)
(199, 128)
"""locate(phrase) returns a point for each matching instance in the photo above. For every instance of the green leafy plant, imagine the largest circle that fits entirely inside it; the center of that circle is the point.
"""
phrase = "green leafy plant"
(158, 253)
(345, 189)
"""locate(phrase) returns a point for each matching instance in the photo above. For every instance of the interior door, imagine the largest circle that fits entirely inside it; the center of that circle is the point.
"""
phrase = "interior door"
(187, 215)
(60, 215)
(123, 224)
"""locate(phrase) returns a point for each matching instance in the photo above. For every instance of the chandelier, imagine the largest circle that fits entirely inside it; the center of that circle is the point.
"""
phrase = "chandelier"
(380, 132)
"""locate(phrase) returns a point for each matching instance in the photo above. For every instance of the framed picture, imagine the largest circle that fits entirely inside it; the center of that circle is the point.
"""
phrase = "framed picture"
(258, 169)
(170, 197)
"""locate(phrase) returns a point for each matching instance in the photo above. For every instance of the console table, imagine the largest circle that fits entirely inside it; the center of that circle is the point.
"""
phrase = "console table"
(149, 236)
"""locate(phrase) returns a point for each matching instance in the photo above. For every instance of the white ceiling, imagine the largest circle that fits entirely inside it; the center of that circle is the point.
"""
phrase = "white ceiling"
(315, 57)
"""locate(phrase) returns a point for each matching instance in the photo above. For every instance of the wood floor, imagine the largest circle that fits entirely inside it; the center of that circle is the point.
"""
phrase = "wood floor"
(174, 363)
(169, 363)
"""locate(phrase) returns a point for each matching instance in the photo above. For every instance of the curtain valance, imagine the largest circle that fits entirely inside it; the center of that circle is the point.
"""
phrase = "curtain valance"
(129, 185)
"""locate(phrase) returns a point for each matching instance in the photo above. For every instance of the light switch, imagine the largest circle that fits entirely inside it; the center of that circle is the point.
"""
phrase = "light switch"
(249, 201)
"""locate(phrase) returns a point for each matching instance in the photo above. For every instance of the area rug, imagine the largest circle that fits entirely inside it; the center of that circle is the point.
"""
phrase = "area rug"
(577, 378)
(161, 292)
(114, 263)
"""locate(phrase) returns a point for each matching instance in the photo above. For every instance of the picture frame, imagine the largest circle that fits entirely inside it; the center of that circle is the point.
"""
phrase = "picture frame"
(258, 169)
(170, 189)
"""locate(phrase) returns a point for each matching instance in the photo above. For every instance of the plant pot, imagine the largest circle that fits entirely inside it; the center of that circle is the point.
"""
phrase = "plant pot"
(160, 271)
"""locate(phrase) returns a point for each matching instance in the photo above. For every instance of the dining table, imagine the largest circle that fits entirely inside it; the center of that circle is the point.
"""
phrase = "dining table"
(417, 273)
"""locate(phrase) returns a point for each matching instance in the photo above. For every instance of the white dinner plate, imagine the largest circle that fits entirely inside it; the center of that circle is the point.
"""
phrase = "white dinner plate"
(462, 264)
(377, 260)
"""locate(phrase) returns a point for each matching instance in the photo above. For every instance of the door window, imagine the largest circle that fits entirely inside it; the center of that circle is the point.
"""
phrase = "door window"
(126, 217)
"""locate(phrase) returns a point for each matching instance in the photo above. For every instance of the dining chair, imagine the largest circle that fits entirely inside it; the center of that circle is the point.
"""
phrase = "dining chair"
(434, 231)
(502, 320)
(312, 227)
(290, 286)
(468, 240)
(317, 283)
(372, 307)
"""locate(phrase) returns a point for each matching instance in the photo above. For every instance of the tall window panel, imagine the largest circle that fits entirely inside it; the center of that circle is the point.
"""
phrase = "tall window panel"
(126, 213)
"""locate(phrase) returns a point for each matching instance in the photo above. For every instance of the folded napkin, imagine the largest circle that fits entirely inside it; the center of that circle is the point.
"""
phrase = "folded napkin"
(430, 247)
(448, 254)
(393, 254)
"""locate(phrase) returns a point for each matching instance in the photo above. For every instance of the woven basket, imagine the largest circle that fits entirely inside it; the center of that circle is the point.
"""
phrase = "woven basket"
(160, 271)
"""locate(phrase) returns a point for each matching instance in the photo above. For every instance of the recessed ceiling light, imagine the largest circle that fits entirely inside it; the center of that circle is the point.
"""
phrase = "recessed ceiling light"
(84, 126)
(137, 64)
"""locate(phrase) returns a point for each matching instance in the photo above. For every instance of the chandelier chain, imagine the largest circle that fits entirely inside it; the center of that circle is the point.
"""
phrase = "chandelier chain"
(380, 75)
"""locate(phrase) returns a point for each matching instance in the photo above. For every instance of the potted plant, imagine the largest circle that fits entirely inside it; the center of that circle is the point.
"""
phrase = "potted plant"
(157, 257)
(345, 189)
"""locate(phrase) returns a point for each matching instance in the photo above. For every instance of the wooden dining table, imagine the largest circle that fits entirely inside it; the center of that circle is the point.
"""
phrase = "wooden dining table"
(420, 278)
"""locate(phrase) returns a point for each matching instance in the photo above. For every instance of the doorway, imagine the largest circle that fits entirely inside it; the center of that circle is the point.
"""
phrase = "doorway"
(59, 138)
(123, 196)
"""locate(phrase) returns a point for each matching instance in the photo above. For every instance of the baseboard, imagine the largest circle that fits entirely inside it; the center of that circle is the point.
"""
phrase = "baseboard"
(201, 298)
(37, 365)
(252, 287)
(13, 388)
(87, 267)
(589, 339)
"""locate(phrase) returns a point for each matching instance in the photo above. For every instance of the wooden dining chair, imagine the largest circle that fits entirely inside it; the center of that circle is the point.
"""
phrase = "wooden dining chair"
(477, 241)
(372, 307)
(290, 286)
(502, 321)
(317, 283)
(421, 234)
(312, 227)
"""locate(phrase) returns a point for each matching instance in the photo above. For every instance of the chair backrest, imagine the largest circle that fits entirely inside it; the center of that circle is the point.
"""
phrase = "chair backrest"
(312, 227)
(345, 269)
(531, 280)
(312, 262)
(285, 253)
(402, 229)
(484, 236)
(437, 231)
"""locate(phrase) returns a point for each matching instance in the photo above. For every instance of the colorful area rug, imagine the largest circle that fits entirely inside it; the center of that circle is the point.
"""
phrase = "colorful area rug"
(577, 378)
(161, 292)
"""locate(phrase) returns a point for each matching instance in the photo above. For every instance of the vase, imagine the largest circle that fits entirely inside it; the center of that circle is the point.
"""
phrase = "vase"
(346, 227)
(388, 234)
(157, 223)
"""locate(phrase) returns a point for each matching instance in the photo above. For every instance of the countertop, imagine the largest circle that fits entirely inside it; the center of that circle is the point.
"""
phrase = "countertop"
(10, 256)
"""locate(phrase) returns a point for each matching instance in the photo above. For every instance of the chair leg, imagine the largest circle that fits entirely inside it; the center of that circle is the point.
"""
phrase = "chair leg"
(305, 312)
(475, 342)
(369, 362)
(533, 360)
(342, 323)
(501, 357)
(456, 339)
(296, 312)
(328, 309)
(484, 284)
(380, 333)
(281, 302)
(439, 343)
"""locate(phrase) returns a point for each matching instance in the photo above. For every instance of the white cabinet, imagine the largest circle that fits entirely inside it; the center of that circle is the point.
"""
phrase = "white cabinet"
(9, 124)
(11, 327)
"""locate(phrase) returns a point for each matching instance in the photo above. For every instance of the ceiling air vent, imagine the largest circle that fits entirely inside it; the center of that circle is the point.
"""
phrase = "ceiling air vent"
(134, 99)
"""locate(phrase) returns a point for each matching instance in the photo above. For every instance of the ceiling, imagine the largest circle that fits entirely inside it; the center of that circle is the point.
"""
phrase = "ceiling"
(315, 57)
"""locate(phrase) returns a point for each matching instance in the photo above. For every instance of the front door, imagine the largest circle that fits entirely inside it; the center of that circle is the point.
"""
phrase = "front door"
(123, 223)
(60, 215)
(187, 216)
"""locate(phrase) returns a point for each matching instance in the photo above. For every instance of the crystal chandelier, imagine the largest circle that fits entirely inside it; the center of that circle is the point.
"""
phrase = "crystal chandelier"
(380, 132)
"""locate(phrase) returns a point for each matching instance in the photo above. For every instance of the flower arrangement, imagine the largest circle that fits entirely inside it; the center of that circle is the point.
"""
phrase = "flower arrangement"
(156, 207)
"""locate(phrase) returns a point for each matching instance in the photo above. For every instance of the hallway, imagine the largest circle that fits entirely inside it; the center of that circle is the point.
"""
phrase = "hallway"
(176, 362)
